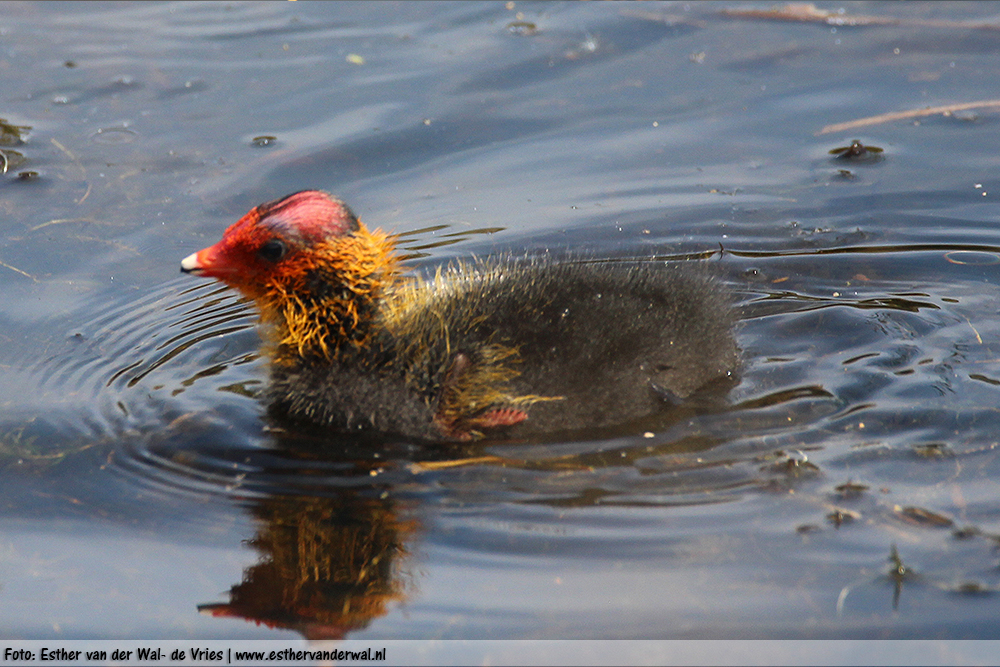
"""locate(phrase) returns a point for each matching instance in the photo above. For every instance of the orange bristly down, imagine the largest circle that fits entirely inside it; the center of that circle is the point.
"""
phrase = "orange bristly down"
(323, 302)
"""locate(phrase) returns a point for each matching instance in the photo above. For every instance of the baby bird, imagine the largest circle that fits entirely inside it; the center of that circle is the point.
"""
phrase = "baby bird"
(504, 346)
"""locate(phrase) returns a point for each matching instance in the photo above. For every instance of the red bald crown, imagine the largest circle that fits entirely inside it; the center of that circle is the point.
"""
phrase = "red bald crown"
(311, 214)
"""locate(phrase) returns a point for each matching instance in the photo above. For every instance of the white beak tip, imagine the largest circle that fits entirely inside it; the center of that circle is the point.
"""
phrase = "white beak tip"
(190, 264)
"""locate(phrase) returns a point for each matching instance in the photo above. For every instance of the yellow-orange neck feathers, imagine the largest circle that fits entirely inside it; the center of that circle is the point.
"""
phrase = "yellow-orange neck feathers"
(323, 303)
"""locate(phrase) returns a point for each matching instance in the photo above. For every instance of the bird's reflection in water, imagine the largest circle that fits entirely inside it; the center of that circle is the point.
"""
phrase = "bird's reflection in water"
(329, 565)
(332, 534)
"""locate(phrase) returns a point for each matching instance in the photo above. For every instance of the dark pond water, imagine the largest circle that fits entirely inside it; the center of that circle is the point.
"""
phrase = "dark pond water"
(846, 488)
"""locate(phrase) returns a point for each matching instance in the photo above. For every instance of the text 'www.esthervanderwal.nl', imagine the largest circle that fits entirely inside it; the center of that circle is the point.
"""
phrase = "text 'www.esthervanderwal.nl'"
(189, 655)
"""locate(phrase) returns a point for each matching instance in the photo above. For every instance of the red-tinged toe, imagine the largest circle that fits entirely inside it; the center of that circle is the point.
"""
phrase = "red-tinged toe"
(500, 417)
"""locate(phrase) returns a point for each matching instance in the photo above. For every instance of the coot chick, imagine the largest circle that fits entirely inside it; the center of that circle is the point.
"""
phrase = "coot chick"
(504, 345)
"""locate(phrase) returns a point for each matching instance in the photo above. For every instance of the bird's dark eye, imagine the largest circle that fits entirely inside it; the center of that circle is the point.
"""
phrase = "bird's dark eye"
(273, 250)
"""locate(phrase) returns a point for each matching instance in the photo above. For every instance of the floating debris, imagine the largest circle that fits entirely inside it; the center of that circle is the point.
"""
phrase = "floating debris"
(984, 378)
(972, 588)
(838, 517)
(918, 516)
(946, 110)
(522, 28)
(898, 574)
(806, 12)
(965, 116)
(793, 466)
(965, 533)
(857, 151)
(10, 160)
(263, 140)
(12, 135)
(899, 569)
(850, 489)
(933, 450)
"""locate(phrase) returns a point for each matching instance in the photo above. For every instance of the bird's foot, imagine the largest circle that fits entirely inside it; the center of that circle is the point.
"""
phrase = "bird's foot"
(468, 429)
(499, 417)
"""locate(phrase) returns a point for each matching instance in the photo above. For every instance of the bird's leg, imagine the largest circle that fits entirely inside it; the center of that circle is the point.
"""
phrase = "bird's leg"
(454, 425)
(445, 419)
